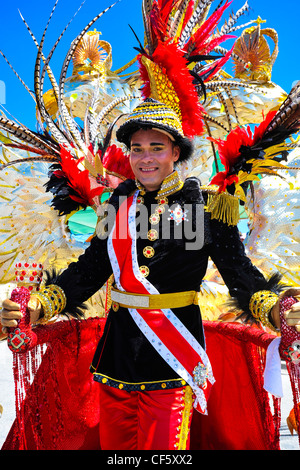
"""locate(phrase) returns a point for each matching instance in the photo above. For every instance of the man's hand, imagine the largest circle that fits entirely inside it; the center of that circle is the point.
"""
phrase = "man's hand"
(10, 313)
(292, 316)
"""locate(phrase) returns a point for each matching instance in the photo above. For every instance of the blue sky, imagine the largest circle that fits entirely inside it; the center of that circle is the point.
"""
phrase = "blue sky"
(17, 45)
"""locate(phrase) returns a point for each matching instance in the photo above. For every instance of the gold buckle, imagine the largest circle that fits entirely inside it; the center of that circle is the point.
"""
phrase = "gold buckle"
(159, 301)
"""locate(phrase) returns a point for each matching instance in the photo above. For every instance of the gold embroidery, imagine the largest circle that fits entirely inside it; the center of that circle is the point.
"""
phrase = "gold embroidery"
(185, 424)
(140, 199)
(261, 304)
(170, 185)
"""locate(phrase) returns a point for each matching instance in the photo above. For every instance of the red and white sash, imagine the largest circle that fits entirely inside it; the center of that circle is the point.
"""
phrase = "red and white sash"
(162, 328)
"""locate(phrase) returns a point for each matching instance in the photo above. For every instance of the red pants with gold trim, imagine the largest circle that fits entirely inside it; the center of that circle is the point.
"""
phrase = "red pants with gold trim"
(156, 420)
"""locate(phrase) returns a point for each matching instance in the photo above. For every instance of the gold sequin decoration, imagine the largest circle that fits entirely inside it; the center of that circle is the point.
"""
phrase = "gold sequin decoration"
(152, 235)
(148, 252)
(261, 304)
(161, 86)
(154, 219)
(186, 418)
(115, 306)
(140, 200)
(144, 270)
(160, 210)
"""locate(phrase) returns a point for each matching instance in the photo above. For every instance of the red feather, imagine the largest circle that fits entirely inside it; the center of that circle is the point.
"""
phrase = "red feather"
(174, 64)
(214, 43)
(201, 37)
(158, 26)
(260, 130)
(229, 149)
(223, 180)
(78, 179)
(165, 7)
(217, 66)
(115, 161)
(188, 13)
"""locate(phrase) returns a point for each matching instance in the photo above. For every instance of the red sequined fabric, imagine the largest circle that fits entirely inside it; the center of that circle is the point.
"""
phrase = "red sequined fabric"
(290, 352)
(58, 401)
(239, 412)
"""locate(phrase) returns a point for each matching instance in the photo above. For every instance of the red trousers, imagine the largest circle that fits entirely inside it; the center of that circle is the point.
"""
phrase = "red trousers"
(156, 420)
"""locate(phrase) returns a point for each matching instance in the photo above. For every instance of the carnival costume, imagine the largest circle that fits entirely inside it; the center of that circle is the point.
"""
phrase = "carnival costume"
(152, 355)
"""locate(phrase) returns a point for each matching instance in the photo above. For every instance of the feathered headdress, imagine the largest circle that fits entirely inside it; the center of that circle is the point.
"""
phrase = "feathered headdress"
(245, 154)
(83, 166)
(179, 38)
(175, 63)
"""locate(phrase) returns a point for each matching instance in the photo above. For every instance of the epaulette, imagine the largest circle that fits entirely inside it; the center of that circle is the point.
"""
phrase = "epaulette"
(222, 205)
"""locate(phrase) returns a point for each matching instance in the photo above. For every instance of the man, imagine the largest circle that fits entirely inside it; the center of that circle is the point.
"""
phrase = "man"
(151, 362)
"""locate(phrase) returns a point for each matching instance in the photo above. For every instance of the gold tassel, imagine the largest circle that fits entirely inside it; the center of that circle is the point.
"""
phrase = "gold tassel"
(223, 207)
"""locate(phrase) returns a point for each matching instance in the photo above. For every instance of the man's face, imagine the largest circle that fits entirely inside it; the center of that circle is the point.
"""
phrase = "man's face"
(152, 157)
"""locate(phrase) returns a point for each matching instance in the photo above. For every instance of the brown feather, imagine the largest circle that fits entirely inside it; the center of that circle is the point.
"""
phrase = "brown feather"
(22, 133)
(288, 115)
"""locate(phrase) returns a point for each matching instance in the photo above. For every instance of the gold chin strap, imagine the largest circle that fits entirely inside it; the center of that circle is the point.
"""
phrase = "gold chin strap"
(152, 302)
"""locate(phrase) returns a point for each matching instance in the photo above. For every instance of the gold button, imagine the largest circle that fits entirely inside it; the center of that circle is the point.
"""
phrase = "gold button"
(115, 306)
(143, 387)
(163, 385)
(152, 235)
(121, 386)
(144, 270)
(104, 380)
(148, 252)
(154, 219)
(160, 210)
(162, 200)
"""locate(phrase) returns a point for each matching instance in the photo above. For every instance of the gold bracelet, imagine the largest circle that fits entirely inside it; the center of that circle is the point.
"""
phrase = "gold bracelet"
(261, 304)
(59, 295)
(53, 301)
(47, 306)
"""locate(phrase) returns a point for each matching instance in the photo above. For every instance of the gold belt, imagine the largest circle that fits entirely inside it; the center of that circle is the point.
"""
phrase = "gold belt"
(156, 301)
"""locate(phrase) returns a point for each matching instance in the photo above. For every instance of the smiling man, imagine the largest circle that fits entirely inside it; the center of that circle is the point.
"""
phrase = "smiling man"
(152, 157)
(151, 362)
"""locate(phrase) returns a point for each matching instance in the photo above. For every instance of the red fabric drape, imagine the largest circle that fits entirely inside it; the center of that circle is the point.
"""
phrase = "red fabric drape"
(61, 407)
(239, 414)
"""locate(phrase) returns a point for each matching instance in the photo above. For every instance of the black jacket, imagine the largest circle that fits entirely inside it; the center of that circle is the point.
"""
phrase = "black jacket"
(124, 357)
